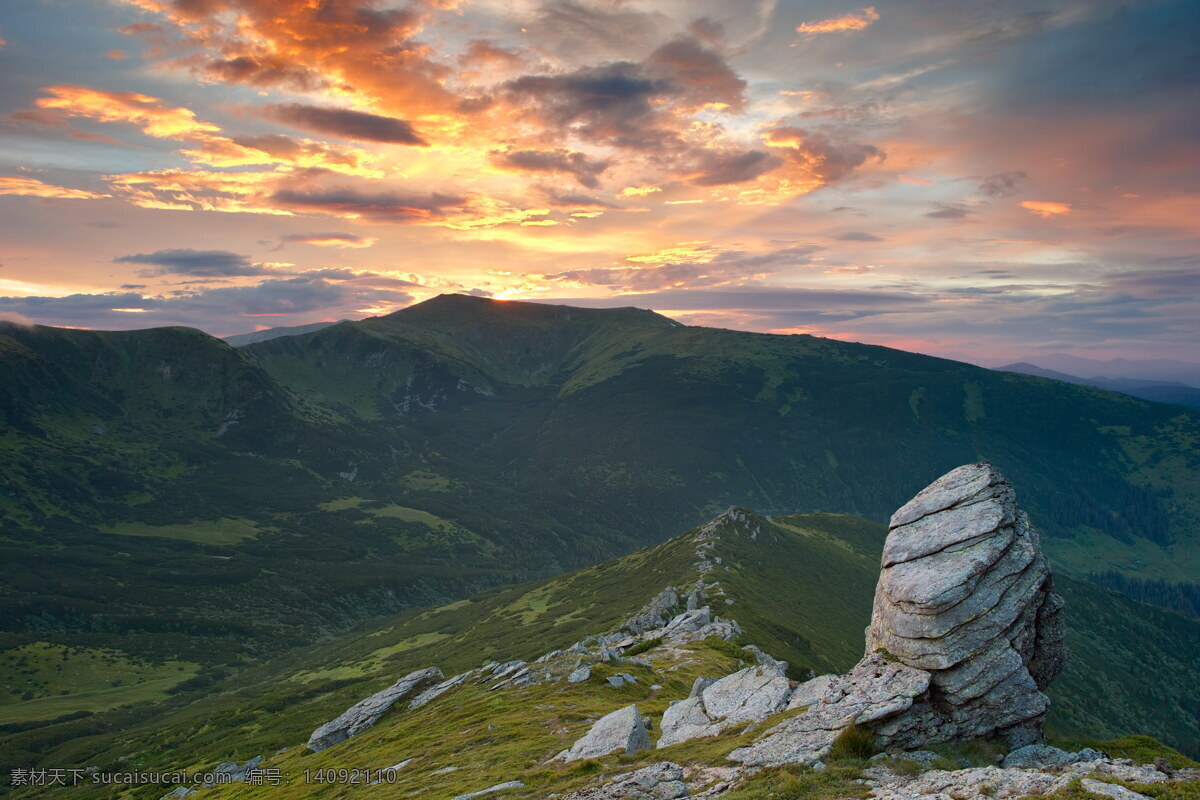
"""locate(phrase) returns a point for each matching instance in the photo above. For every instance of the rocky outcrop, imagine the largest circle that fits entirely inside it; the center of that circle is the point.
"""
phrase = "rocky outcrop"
(748, 695)
(965, 594)
(984, 783)
(363, 714)
(875, 690)
(661, 781)
(623, 730)
(657, 612)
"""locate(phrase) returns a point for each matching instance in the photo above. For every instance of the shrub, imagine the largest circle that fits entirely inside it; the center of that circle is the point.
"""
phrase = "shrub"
(642, 647)
(853, 743)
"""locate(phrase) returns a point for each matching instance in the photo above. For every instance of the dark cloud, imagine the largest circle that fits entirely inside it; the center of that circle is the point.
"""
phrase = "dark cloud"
(1182, 284)
(585, 170)
(725, 268)
(336, 238)
(949, 211)
(575, 200)
(698, 74)
(610, 104)
(718, 168)
(1004, 183)
(223, 308)
(858, 236)
(345, 124)
(632, 105)
(826, 154)
(200, 263)
(375, 206)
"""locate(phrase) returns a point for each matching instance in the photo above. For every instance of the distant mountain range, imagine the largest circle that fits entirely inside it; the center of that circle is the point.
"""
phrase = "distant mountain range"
(1146, 388)
(1157, 370)
(166, 493)
(243, 339)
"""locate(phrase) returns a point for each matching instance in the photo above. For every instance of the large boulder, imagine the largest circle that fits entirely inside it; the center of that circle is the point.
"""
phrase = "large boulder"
(363, 714)
(622, 730)
(965, 594)
(748, 695)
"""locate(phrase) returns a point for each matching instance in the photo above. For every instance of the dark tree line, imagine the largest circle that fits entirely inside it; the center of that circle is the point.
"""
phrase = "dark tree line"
(1181, 597)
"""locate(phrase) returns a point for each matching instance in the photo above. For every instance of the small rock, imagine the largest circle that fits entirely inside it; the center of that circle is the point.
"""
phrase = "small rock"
(1033, 756)
(1164, 766)
(621, 730)
(580, 675)
(661, 781)
(1111, 790)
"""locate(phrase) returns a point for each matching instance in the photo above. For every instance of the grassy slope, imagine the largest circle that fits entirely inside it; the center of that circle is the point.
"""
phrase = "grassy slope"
(801, 589)
(423, 456)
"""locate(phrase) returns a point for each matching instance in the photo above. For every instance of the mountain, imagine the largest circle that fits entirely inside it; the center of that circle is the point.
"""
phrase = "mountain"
(169, 496)
(799, 587)
(243, 339)
(1156, 391)
(1159, 370)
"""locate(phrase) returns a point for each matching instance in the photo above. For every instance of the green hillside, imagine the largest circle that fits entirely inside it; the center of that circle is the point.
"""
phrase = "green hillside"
(800, 586)
(168, 496)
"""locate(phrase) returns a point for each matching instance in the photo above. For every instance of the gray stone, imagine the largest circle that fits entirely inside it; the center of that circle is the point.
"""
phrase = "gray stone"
(621, 730)
(661, 781)
(656, 613)
(966, 594)
(874, 690)
(766, 659)
(499, 787)
(1034, 756)
(747, 695)
(686, 720)
(687, 622)
(364, 714)
(580, 675)
(700, 684)
(1111, 790)
(438, 690)
(811, 692)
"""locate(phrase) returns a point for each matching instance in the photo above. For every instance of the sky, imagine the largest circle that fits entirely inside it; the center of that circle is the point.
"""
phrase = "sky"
(973, 179)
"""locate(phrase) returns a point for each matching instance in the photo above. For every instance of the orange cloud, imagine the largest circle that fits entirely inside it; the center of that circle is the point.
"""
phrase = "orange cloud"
(1046, 208)
(149, 113)
(850, 22)
(31, 187)
(352, 47)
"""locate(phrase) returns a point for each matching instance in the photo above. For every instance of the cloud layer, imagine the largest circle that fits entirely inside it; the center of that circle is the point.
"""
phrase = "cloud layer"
(947, 176)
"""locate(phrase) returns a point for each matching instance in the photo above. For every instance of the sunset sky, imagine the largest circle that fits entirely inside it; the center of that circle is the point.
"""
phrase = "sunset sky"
(982, 179)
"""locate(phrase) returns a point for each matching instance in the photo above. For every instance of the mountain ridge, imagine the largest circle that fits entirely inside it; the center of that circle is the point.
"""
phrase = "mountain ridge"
(377, 465)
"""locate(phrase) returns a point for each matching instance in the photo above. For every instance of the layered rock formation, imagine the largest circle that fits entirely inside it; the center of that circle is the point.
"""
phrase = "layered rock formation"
(966, 595)
(966, 632)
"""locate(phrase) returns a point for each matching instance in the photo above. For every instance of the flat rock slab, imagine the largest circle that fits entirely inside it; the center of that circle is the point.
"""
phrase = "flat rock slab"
(364, 714)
